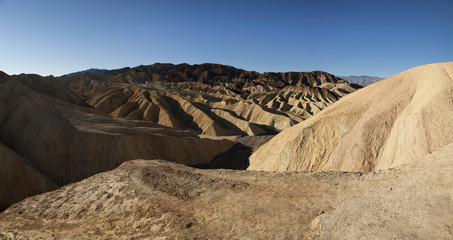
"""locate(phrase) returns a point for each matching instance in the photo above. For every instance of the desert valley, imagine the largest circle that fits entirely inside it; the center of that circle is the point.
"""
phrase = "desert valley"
(211, 151)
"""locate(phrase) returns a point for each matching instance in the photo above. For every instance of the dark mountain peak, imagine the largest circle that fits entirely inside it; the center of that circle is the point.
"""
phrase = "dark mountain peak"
(3, 74)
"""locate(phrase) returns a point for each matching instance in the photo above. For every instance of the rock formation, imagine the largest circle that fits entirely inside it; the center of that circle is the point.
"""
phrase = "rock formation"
(209, 99)
(395, 121)
(61, 130)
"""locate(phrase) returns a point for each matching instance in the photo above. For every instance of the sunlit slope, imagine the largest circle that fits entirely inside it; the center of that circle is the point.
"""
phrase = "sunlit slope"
(387, 124)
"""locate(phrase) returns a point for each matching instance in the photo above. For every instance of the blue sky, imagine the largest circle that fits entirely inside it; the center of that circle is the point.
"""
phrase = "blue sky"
(378, 38)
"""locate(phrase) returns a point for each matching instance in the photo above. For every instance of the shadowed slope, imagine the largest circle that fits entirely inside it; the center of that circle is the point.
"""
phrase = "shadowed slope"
(18, 179)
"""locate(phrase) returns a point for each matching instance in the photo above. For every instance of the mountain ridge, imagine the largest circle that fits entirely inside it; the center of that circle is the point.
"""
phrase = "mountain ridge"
(363, 80)
(213, 73)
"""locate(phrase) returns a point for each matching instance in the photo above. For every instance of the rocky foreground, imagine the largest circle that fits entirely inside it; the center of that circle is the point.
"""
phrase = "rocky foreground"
(162, 200)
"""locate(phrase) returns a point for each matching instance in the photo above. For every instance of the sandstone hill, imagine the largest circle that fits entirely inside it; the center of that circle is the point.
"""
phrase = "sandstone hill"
(395, 121)
(210, 99)
(145, 199)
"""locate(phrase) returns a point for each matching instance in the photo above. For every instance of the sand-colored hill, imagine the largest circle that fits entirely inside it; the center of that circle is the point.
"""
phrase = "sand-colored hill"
(210, 99)
(160, 200)
(51, 137)
(395, 121)
(204, 114)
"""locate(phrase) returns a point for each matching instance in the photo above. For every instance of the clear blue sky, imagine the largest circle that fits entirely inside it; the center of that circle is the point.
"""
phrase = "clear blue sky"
(342, 37)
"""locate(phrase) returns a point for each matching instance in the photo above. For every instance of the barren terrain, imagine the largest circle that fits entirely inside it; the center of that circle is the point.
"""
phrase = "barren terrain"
(392, 122)
(162, 200)
(148, 153)
(55, 131)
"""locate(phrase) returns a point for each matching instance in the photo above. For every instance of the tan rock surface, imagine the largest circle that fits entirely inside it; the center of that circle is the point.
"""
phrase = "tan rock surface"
(387, 124)
(157, 199)
(203, 114)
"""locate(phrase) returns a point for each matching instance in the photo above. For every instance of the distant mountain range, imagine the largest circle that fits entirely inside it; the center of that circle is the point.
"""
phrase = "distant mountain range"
(91, 70)
(363, 80)
(212, 74)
